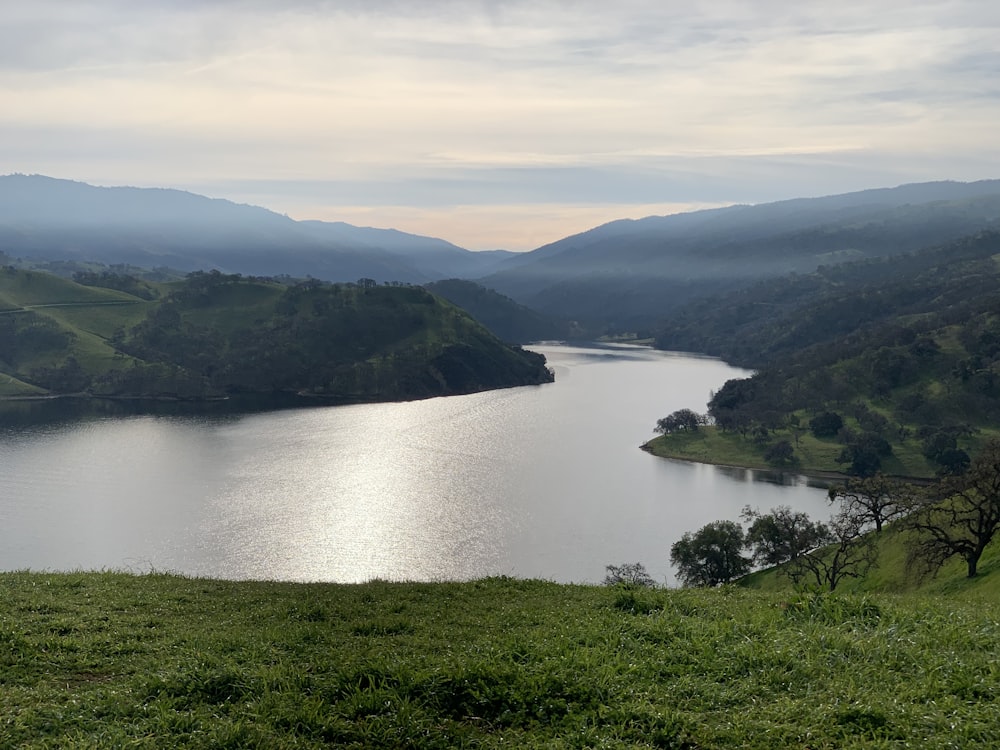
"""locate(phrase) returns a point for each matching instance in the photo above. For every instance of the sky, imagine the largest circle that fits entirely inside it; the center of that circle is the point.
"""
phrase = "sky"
(500, 124)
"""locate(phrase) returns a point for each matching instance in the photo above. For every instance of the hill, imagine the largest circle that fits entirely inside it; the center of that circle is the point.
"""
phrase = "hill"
(629, 274)
(42, 218)
(903, 351)
(107, 660)
(502, 315)
(214, 335)
(755, 325)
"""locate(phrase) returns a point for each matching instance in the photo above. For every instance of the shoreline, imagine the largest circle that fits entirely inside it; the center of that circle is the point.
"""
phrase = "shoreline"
(824, 475)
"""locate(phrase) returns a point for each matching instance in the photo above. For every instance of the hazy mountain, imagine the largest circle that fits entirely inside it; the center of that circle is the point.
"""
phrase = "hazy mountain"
(42, 217)
(507, 320)
(634, 271)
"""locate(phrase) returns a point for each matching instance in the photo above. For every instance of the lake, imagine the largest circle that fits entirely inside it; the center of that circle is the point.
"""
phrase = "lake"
(544, 482)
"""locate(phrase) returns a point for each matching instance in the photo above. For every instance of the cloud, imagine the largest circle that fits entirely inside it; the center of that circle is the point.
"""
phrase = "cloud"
(467, 103)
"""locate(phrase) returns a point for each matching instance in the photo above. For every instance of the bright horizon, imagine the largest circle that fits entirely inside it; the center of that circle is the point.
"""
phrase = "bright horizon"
(500, 124)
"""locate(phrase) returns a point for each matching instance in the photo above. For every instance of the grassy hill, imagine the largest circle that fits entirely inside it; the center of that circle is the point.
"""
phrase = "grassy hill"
(213, 335)
(106, 660)
(893, 574)
(903, 350)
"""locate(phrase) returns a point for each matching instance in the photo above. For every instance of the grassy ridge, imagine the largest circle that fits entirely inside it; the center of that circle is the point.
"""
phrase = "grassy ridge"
(112, 660)
(212, 335)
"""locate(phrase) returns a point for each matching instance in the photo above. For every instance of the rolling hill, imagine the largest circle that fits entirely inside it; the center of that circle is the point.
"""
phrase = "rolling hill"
(214, 335)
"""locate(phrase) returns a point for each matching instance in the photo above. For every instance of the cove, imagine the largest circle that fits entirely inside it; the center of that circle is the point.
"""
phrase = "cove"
(536, 482)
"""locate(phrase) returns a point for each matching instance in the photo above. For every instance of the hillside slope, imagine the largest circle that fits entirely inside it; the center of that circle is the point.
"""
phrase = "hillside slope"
(902, 355)
(106, 660)
(634, 272)
(214, 335)
(502, 315)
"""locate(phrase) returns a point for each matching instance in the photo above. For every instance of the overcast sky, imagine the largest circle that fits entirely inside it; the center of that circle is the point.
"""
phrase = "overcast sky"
(495, 123)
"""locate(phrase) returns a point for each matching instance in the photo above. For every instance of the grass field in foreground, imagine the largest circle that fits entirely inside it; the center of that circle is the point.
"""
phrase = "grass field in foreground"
(112, 660)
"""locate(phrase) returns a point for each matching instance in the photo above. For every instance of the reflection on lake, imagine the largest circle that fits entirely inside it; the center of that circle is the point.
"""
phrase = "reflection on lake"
(543, 481)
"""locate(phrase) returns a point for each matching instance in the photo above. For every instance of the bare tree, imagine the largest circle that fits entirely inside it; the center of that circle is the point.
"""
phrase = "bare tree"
(961, 518)
(850, 553)
(875, 500)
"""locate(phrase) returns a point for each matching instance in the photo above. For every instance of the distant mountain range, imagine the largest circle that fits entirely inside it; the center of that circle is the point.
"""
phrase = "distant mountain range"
(626, 275)
(46, 218)
(632, 273)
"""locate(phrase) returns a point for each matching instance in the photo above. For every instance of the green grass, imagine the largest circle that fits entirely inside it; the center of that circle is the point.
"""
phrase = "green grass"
(11, 386)
(712, 445)
(234, 305)
(101, 319)
(893, 574)
(107, 660)
(29, 288)
(814, 455)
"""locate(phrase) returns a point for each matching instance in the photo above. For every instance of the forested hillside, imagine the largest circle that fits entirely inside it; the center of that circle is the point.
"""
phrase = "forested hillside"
(214, 335)
(502, 315)
(628, 274)
(896, 357)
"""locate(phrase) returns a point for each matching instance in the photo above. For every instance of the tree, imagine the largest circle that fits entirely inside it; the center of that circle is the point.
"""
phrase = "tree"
(953, 462)
(780, 454)
(731, 406)
(962, 518)
(826, 424)
(864, 453)
(781, 535)
(874, 500)
(710, 556)
(848, 553)
(631, 575)
(682, 420)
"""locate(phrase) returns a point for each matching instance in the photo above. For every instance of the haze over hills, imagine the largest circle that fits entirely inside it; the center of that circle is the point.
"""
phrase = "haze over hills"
(46, 218)
(622, 276)
(632, 272)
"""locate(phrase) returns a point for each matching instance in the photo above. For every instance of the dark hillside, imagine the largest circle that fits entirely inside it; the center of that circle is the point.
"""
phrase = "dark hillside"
(502, 315)
(213, 335)
(630, 272)
(752, 326)
(901, 355)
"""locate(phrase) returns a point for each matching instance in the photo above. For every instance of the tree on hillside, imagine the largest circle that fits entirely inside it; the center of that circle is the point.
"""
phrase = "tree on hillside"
(941, 446)
(780, 454)
(712, 555)
(961, 518)
(826, 424)
(874, 500)
(781, 535)
(863, 453)
(848, 552)
(731, 406)
(682, 420)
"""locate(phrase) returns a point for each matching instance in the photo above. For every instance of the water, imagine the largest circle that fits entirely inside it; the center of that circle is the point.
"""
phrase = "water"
(545, 481)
